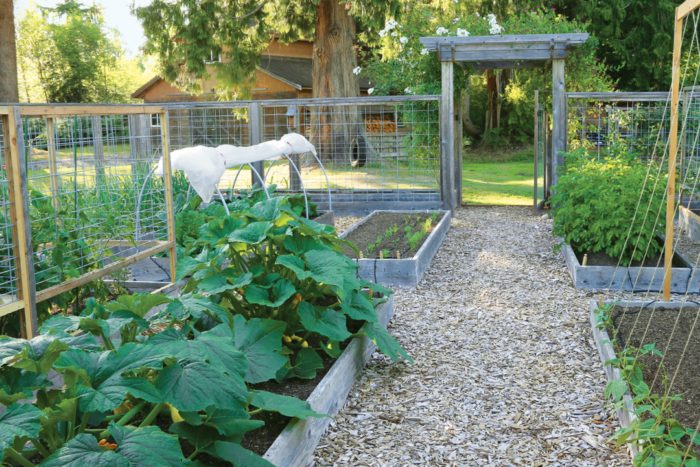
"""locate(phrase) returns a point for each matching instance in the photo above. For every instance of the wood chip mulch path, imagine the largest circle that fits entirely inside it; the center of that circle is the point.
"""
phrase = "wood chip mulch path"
(506, 372)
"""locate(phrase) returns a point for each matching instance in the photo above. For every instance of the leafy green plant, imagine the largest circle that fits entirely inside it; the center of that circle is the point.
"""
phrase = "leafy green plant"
(612, 205)
(199, 379)
(289, 269)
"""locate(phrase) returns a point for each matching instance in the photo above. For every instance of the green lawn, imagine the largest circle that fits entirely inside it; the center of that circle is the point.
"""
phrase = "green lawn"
(498, 183)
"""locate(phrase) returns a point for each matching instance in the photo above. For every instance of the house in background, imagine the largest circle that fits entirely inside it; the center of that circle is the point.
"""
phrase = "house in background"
(285, 72)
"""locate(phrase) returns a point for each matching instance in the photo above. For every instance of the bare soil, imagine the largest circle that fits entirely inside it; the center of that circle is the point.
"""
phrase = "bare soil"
(677, 336)
(375, 227)
(600, 258)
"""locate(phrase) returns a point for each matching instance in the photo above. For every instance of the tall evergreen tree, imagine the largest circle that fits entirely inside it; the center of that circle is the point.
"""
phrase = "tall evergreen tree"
(185, 33)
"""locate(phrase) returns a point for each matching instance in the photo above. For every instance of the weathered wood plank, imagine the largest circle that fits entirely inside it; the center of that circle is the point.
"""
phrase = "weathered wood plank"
(506, 40)
(447, 137)
(606, 352)
(559, 116)
(296, 444)
(620, 96)
(86, 110)
(686, 8)
(21, 221)
(405, 272)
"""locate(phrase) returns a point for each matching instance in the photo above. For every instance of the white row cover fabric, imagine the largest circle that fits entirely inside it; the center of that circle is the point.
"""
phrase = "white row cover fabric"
(205, 166)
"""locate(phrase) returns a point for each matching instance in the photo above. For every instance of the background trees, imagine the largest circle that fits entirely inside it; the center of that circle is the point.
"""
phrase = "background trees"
(67, 54)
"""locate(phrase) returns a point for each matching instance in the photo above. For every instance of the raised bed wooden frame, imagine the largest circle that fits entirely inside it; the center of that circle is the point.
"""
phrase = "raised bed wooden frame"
(405, 272)
(606, 352)
(295, 446)
(683, 280)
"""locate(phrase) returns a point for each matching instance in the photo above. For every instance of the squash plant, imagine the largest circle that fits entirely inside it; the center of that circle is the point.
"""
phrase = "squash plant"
(270, 263)
(113, 388)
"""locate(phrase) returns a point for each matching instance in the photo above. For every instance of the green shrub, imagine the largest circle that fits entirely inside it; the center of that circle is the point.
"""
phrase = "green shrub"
(612, 205)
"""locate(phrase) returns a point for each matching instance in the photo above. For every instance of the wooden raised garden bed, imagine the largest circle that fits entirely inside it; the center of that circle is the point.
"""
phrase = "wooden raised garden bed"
(689, 220)
(325, 217)
(387, 269)
(670, 327)
(295, 446)
(635, 278)
(606, 352)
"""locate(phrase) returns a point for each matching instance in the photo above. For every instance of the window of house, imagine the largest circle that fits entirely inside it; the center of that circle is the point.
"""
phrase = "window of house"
(213, 58)
(155, 120)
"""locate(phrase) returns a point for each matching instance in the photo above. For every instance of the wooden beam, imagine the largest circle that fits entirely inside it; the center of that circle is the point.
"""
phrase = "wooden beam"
(684, 10)
(86, 110)
(11, 307)
(94, 275)
(559, 117)
(537, 131)
(255, 122)
(447, 137)
(4, 110)
(21, 222)
(621, 96)
(672, 150)
(129, 244)
(512, 39)
(165, 135)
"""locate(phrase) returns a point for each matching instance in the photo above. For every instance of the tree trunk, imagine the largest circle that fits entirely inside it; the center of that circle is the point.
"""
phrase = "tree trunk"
(469, 127)
(9, 92)
(334, 59)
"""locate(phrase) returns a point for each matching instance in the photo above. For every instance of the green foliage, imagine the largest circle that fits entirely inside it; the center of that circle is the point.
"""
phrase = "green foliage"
(236, 31)
(282, 267)
(612, 205)
(400, 64)
(68, 54)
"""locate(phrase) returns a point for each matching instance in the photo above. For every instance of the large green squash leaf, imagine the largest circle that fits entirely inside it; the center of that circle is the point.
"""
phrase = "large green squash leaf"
(357, 306)
(327, 322)
(253, 233)
(386, 342)
(231, 422)
(138, 304)
(191, 386)
(97, 377)
(300, 244)
(295, 264)
(147, 446)
(287, 406)
(218, 351)
(38, 354)
(327, 267)
(260, 340)
(17, 384)
(18, 420)
(239, 455)
(215, 284)
(82, 451)
(268, 210)
(279, 293)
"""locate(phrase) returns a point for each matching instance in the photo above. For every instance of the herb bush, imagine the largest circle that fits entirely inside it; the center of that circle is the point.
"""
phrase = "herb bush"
(612, 205)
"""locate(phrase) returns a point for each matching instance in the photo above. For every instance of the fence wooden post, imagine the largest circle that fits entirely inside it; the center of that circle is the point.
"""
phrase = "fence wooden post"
(559, 117)
(255, 120)
(459, 141)
(22, 230)
(447, 137)
(98, 147)
(167, 169)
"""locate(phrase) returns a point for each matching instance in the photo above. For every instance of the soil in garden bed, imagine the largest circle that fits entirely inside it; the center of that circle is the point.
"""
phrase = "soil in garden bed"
(659, 328)
(600, 258)
(376, 226)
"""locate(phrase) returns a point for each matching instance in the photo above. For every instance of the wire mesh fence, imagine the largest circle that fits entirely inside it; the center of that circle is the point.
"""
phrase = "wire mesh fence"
(368, 150)
(639, 122)
(93, 199)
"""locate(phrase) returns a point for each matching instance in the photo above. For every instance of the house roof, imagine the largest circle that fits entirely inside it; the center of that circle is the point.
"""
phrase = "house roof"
(137, 94)
(296, 72)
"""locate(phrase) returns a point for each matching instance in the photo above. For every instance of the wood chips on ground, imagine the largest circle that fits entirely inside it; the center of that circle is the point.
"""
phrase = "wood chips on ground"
(506, 372)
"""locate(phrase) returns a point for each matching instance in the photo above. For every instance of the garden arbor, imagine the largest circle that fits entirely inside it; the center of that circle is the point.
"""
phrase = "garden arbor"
(497, 52)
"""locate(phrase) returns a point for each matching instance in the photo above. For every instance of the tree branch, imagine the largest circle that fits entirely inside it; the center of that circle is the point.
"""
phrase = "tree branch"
(257, 8)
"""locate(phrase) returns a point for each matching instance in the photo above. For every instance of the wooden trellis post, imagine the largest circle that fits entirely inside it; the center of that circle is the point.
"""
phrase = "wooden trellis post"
(21, 222)
(169, 192)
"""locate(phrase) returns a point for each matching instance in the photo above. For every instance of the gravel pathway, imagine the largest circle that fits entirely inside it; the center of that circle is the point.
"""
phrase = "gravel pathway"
(505, 370)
